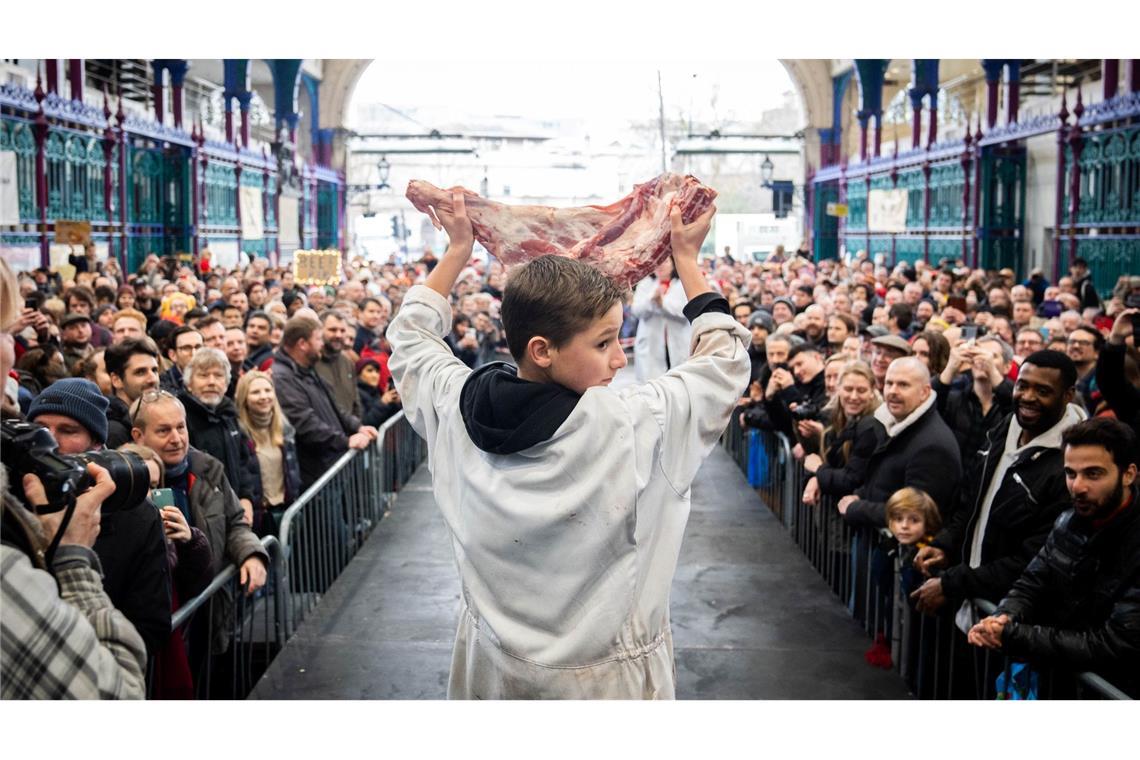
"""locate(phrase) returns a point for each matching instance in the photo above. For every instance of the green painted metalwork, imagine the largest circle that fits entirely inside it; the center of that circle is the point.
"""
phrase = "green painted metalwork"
(856, 204)
(915, 184)
(1003, 207)
(221, 194)
(942, 249)
(327, 216)
(946, 183)
(96, 164)
(145, 193)
(255, 247)
(16, 136)
(271, 203)
(74, 168)
(909, 249)
(1110, 178)
(825, 238)
(1109, 258)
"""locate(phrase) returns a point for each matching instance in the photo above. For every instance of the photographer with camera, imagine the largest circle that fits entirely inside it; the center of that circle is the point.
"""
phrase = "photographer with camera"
(797, 394)
(131, 546)
(60, 635)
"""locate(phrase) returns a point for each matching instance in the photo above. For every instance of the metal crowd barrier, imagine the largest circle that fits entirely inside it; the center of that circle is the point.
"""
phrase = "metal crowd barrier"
(229, 638)
(325, 527)
(929, 652)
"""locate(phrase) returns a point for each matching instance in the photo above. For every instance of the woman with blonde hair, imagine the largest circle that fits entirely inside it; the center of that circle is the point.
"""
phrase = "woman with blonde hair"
(850, 439)
(275, 445)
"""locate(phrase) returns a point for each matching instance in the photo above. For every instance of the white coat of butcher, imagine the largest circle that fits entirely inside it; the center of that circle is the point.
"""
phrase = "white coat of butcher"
(661, 324)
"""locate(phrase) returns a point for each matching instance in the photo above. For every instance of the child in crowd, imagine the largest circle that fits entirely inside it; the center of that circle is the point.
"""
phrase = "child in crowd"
(913, 519)
(566, 499)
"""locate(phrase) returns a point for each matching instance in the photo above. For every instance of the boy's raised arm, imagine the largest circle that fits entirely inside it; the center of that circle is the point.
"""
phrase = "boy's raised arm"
(460, 242)
(687, 240)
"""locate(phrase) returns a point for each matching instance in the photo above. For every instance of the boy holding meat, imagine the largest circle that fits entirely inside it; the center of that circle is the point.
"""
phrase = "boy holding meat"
(566, 500)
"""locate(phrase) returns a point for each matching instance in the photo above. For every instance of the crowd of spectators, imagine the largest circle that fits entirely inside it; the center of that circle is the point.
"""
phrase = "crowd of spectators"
(239, 387)
(984, 400)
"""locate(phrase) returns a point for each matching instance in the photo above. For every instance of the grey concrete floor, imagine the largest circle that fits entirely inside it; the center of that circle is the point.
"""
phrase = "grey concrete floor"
(751, 618)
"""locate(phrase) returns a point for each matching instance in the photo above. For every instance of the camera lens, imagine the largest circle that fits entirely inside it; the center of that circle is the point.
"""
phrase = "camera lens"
(128, 471)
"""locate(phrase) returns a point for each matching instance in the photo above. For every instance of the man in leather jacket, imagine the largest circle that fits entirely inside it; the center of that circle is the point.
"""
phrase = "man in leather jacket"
(1078, 601)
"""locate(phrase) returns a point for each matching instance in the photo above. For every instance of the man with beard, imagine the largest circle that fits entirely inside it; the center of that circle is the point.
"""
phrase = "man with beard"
(257, 327)
(75, 337)
(337, 370)
(815, 328)
(1006, 514)
(1078, 601)
(1084, 345)
(323, 431)
(211, 420)
(133, 368)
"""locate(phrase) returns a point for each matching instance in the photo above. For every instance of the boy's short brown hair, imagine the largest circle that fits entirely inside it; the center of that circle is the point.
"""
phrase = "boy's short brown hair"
(554, 297)
(913, 500)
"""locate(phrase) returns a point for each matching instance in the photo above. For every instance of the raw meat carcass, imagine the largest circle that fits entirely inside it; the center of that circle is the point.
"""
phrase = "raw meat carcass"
(625, 240)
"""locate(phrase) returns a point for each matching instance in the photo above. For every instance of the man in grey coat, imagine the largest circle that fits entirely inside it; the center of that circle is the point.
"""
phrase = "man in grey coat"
(324, 432)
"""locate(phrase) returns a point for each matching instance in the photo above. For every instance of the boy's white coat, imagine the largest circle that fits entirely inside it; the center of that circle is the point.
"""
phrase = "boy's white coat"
(566, 551)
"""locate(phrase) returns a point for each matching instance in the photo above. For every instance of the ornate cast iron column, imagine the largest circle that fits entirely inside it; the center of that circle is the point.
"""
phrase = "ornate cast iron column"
(916, 126)
(120, 118)
(932, 136)
(993, 76)
(926, 170)
(159, 96)
(1059, 210)
(39, 131)
(1013, 91)
(195, 136)
(75, 78)
(243, 99)
(51, 71)
(977, 191)
(177, 69)
(108, 145)
(863, 119)
(1109, 76)
(967, 147)
(1076, 145)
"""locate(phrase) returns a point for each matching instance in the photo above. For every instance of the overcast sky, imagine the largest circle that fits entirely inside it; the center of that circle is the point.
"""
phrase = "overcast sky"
(606, 91)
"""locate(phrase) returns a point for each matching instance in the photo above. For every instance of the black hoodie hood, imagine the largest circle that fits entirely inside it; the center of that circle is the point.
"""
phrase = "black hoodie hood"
(505, 414)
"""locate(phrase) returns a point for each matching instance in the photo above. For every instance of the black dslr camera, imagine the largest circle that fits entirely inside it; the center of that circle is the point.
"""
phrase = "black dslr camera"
(806, 411)
(28, 448)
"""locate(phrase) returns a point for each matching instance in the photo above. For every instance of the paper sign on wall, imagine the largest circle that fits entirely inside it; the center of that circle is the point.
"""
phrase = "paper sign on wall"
(886, 210)
(9, 189)
(252, 214)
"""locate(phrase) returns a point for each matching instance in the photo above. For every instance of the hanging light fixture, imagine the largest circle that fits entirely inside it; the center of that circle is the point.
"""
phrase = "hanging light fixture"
(767, 168)
(383, 167)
